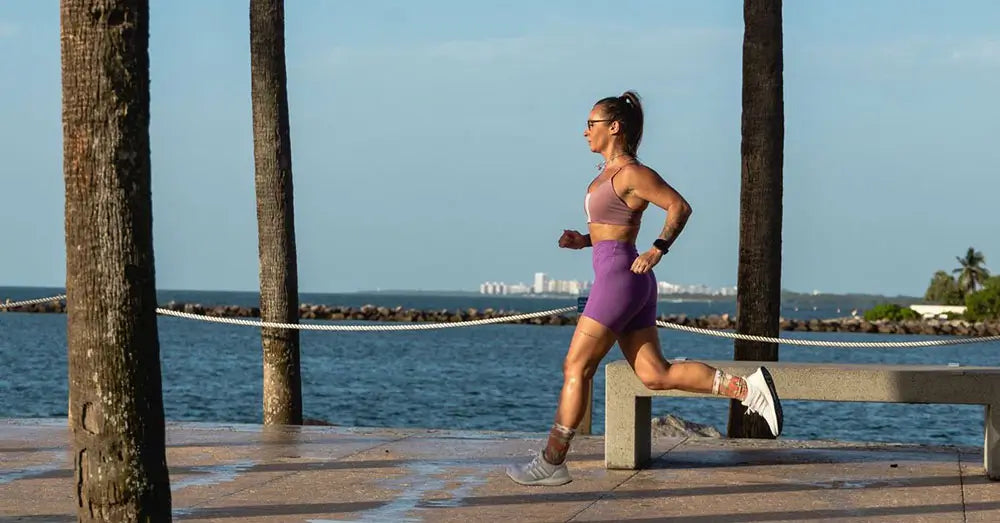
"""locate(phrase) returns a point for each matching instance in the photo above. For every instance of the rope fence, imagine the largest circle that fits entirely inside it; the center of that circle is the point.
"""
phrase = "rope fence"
(540, 314)
(16, 304)
(380, 327)
(838, 344)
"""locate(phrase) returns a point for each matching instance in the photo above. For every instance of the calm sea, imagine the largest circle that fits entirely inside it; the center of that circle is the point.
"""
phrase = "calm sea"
(497, 377)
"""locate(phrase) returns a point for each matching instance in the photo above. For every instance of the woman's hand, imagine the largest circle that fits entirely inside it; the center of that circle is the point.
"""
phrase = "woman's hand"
(572, 240)
(645, 262)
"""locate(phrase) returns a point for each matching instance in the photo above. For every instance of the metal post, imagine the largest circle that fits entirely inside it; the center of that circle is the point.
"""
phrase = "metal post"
(586, 424)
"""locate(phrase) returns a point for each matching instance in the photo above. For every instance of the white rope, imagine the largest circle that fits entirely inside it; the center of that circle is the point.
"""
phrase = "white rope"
(404, 327)
(822, 343)
(14, 304)
(553, 312)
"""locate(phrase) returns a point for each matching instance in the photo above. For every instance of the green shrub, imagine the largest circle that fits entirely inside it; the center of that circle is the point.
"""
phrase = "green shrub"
(984, 304)
(892, 312)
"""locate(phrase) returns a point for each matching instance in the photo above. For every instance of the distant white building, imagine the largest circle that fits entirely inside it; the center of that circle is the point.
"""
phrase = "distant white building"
(541, 283)
(544, 284)
(499, 287)
(565, 286)
(938, 311)
(663, 287)
(518, 288)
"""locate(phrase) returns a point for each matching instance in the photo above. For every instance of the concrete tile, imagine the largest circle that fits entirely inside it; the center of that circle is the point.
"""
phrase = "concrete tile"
(981, 496)
(720, 481)
(205, 461)
(428, 478)
(321, 474)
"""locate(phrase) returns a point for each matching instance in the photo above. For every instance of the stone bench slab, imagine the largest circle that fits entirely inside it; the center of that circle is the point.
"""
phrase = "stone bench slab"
(628, 401)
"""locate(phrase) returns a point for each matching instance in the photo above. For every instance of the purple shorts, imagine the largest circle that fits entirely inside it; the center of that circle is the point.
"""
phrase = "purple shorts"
(620, 299)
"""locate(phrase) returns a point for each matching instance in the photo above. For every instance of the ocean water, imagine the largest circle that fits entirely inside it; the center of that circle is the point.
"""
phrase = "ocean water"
(495, 377)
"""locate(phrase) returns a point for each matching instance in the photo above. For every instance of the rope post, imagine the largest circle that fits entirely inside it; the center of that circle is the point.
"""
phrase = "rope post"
(586, 425)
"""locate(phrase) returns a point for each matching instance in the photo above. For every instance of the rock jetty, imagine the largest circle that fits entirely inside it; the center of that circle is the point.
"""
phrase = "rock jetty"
(673, 427)
(715, 321)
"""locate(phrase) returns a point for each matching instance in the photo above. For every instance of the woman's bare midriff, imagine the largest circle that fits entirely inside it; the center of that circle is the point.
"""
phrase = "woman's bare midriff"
(600, 232)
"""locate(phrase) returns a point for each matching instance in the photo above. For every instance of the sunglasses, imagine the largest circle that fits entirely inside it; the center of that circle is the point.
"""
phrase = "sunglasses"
(590, 123)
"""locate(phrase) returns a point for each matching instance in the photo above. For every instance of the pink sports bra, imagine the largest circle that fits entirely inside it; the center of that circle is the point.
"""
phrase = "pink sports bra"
(603, 205)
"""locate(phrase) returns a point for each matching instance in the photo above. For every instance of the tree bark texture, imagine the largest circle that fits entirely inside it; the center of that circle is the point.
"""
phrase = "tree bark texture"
(115, 392)
(758, 303)
(279, 298)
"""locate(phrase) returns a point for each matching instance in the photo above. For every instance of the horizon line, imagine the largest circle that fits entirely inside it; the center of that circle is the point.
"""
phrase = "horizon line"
(463, 291)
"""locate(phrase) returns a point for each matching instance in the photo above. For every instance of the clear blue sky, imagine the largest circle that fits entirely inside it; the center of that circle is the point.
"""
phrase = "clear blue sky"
(438, 144)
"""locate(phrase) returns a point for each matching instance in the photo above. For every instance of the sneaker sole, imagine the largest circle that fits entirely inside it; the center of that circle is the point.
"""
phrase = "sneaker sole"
(547, 482)
(774, 398)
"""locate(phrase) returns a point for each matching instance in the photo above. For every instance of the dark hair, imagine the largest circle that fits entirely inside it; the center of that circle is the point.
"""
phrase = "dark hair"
(627, 110)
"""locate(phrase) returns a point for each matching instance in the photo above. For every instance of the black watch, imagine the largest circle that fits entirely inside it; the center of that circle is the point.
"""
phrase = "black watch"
(661, 245)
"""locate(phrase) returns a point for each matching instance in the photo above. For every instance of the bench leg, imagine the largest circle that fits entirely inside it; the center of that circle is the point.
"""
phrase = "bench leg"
(991, 448)
(627, 431)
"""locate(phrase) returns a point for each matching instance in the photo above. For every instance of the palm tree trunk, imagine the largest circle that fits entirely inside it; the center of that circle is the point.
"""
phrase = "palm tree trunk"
(758, 299)
(279, 295)
(115, 392)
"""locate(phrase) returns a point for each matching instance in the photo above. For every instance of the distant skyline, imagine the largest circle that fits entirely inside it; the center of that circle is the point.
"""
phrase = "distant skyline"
(438, 144)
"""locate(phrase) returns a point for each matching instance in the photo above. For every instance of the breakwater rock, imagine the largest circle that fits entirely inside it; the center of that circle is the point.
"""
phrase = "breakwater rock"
(673, 427)
(714, 322)
(860, 325)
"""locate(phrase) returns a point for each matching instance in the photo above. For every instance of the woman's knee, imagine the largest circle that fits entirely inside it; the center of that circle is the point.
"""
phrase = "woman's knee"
(651, 380)
(579, 371)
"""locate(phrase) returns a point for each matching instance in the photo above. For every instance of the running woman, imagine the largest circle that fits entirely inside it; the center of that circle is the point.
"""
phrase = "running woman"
(621, 306)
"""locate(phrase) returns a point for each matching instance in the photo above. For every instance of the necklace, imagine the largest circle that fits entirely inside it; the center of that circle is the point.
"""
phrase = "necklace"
(603, 165)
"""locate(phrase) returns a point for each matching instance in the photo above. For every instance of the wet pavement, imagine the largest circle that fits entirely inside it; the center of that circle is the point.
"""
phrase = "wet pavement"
(225, 472)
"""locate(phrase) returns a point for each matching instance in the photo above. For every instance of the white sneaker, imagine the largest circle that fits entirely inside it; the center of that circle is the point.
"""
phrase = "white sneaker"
(539, 472)
(762, 399)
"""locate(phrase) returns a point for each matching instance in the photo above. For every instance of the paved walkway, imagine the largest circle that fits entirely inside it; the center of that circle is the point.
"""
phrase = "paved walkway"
(322, 474)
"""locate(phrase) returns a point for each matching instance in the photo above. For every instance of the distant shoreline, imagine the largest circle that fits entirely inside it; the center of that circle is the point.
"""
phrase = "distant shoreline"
(788, 298)
(381, 314)
(686, 296)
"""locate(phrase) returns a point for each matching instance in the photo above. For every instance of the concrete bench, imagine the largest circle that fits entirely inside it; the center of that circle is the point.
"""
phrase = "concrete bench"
(628, 402)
